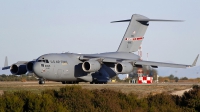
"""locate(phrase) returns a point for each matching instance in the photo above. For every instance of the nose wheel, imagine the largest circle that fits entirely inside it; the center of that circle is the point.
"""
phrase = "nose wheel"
(41, 81)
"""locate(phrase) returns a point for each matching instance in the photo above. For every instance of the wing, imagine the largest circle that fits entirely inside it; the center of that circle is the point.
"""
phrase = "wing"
(18, 63)
(162, 64)
(136, 62)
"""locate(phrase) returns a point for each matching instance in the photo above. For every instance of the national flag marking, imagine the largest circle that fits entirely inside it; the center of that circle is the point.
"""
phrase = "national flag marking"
(133, 39)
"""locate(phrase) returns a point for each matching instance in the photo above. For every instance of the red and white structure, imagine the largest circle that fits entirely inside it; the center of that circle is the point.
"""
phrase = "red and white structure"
(145, 80)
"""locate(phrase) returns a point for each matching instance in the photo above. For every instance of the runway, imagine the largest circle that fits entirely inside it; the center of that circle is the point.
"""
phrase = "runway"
(51, 83)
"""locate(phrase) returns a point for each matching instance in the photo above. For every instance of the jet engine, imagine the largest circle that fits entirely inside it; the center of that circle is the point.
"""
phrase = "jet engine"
(29, 66)
(18, 69)
(91, 66)
(123, 68)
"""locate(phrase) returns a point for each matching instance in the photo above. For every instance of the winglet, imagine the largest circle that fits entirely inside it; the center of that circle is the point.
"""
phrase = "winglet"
(195, 61)
(6, 62)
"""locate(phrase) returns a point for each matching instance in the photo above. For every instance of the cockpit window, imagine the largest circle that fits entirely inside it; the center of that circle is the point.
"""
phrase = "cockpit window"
(45, 61)
(39, 61)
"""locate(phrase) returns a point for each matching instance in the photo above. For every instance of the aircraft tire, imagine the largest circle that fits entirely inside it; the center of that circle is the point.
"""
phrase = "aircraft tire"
(41, 82)
(63, 82)
(99, 82)
(91, 82)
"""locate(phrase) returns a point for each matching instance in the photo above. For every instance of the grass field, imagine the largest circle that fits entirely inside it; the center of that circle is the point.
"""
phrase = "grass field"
(141, 90)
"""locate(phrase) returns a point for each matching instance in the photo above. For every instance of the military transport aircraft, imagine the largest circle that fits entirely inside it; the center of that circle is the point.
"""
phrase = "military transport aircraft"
(93, 68)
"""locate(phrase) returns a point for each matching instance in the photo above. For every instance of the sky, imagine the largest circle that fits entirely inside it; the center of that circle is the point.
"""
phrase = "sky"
(29, 29)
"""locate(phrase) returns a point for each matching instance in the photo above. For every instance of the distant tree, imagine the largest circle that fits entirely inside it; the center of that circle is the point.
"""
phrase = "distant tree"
(166, 80)
(154, 73)
(184, 78)
(176, 79)
(151, 72)
(171, 77)
(117, 78)
(3, 75)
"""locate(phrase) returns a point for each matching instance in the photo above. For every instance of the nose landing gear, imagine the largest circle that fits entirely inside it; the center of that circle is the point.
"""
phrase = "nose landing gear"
(41, 81)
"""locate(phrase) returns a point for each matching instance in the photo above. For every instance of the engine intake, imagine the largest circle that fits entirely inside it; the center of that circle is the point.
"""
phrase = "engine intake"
(18, 69)
(91, 66)
(29, 66)
(123, 68)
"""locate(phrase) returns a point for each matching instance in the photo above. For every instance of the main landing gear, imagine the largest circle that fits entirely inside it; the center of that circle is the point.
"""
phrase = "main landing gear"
(98, 82)
(70, 82)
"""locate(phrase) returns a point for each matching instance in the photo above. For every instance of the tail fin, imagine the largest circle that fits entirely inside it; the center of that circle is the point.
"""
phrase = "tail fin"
(135, 32)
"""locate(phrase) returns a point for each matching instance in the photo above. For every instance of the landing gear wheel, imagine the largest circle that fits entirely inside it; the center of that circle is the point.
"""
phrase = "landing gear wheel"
(41, 82)
(63, 82)
(91, 82)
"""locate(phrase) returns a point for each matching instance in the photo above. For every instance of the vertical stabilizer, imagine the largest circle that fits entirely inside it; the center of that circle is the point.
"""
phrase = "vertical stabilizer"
(134, 34)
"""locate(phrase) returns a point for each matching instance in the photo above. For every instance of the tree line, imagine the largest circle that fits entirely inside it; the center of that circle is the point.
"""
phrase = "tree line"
(23, 77)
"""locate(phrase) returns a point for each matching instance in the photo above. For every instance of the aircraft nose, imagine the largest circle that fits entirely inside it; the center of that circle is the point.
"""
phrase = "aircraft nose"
(36, 69)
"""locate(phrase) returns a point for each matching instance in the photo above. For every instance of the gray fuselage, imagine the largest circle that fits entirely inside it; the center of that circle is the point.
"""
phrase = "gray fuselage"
(68, 66)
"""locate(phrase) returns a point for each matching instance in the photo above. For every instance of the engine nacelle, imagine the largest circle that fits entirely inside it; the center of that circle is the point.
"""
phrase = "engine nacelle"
(91, 66)
(29, 66)
(123, 68)
(18, 69)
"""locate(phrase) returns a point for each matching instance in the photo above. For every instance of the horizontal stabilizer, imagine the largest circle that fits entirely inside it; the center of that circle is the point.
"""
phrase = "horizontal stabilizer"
(146, 20)
(159, 20)
(121, 21)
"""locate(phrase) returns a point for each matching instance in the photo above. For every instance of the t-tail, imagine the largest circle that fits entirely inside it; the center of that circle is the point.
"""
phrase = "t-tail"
(135, 32)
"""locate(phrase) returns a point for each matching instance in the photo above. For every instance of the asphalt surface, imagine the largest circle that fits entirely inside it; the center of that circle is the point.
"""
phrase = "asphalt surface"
(50, 83)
